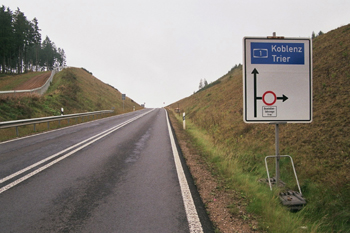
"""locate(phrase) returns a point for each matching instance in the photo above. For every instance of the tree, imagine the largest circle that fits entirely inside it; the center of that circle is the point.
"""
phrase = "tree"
(51, 56)
(48, 53)
(21, 29)
(6, 37)
(205, 83)
(201, 84)
(61, 57)
(36, 46)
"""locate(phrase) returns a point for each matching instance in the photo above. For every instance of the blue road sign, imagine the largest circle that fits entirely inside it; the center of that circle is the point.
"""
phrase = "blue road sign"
(277, 53)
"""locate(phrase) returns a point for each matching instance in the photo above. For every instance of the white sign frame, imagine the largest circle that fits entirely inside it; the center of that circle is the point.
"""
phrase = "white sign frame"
(277, 80)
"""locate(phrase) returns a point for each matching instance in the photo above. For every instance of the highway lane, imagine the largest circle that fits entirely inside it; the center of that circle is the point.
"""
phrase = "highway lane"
(117, 174)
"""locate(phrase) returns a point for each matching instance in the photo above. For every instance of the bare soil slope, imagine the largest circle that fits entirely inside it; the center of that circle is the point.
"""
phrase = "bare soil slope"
(34, 82)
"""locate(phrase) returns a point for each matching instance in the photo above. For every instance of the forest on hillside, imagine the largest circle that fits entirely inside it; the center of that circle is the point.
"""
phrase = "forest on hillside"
(21, 45)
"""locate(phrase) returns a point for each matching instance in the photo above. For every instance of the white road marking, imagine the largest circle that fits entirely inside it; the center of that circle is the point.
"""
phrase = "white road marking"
(87, 141)
(191, 212)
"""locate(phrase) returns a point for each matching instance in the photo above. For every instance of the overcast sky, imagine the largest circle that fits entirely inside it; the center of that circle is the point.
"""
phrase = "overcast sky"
(157, 51)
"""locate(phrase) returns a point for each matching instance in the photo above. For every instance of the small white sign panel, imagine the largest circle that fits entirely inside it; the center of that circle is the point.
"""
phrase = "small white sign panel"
(277, 80)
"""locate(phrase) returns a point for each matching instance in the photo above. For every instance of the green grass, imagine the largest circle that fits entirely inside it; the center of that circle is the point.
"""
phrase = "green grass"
(262, 202)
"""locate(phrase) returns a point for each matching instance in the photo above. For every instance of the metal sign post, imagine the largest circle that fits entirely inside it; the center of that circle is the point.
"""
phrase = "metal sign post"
(277, 148)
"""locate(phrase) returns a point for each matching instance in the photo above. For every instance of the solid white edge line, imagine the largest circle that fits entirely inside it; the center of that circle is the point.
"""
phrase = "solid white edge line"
(190, 208)
(107, 132)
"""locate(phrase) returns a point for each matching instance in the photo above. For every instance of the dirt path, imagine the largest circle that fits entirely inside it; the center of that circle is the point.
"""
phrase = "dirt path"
(226, 207)
(35, 82)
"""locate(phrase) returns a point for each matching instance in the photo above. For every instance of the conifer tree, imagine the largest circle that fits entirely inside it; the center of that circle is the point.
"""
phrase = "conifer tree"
(6, 34)
(205, 83)
(200, 84)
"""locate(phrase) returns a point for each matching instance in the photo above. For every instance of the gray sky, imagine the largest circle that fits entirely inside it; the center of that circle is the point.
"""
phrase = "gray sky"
(157, 51)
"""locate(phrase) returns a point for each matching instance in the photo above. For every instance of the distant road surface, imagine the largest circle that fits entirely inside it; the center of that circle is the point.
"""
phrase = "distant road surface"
(118, 174)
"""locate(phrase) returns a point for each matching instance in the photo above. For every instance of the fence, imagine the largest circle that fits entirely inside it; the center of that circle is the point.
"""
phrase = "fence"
(34, 121)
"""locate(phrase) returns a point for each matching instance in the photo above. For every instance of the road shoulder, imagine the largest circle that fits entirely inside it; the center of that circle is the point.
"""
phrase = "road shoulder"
(226, 209)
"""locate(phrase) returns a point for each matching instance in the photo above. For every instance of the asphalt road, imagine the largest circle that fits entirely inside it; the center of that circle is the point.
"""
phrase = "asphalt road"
(118, 174)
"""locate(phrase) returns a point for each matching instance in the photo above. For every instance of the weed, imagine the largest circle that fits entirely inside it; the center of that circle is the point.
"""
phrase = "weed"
(233, 209)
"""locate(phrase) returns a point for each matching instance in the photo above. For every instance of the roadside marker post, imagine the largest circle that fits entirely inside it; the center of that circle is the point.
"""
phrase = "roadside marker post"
(277, 83)
(184, 120)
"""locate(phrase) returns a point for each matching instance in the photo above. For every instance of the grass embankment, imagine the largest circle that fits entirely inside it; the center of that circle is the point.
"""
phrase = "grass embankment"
(320, 150)
(74, 89)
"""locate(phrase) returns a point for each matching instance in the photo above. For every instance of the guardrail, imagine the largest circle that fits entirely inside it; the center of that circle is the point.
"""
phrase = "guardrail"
(40, 90)
(34, 121)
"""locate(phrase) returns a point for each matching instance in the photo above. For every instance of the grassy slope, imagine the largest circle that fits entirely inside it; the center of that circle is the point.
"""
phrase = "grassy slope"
(9, 82)
(320, 150)
(73, 89)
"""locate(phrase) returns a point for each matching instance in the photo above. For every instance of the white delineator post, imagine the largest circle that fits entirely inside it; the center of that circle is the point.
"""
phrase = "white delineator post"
(184, 121)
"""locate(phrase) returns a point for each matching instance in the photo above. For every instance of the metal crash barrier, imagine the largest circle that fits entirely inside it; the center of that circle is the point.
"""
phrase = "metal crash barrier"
(34, 121)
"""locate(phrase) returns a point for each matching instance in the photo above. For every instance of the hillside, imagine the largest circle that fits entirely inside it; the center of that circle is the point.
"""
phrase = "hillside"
(74, 89)
(321, 150)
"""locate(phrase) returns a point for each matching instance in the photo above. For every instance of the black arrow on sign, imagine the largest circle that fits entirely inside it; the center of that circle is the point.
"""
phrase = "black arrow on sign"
(283, 98)
(255, 72)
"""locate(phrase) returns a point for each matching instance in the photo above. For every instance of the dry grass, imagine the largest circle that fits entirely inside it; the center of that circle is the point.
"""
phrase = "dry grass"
(77, 89)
